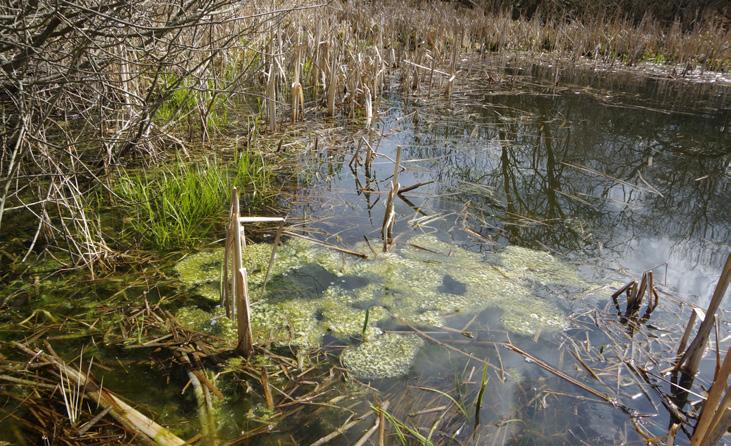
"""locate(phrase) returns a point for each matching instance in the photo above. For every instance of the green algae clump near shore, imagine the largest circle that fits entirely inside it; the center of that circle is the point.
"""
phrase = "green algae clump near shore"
(312, 292)
(388, 356)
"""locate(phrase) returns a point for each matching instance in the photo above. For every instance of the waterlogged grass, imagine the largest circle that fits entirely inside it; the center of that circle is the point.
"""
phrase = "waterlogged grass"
(177, 206)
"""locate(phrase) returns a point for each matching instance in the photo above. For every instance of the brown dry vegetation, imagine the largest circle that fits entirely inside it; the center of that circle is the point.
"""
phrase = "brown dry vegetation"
(86, 87)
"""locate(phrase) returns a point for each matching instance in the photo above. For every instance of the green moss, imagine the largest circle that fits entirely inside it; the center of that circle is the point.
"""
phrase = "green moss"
(387, 356)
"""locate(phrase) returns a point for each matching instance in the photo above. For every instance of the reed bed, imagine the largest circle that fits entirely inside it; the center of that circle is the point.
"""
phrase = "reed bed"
(266, 63)
(275, 67)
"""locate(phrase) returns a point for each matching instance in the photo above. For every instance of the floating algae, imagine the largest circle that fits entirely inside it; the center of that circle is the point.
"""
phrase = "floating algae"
(387, 356)
(313, 291)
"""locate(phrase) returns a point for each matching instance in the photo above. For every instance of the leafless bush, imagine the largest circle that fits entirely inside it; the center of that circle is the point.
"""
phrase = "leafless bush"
(82, 87)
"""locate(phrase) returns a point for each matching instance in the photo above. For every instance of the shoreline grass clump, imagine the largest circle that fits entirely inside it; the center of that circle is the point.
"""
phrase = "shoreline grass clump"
(177, 206)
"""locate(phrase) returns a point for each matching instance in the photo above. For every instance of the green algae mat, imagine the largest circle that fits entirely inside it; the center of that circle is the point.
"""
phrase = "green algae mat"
(313, 292)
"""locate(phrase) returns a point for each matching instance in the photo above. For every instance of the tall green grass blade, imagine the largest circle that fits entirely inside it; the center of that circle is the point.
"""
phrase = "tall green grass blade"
(480, 395)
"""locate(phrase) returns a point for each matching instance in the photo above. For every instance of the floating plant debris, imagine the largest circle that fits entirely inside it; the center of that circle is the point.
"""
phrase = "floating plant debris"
(312, 292)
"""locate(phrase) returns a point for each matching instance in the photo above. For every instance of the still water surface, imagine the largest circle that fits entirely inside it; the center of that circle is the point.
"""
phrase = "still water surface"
(614, 174)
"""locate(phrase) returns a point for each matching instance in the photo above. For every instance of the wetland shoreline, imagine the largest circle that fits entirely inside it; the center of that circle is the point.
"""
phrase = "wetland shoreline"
(507, 241)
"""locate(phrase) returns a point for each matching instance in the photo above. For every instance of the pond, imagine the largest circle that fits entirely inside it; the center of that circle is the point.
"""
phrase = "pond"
(612, 174)
(535, 202)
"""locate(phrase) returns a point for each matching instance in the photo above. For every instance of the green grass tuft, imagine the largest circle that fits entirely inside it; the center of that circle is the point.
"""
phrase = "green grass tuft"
(178, 206)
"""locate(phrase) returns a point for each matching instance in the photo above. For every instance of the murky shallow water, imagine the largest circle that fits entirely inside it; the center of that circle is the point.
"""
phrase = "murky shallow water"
(611, 176)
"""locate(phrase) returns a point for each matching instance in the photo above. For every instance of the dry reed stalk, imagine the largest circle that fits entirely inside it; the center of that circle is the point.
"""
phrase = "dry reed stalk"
(382, 426)
(389, 218)
(264, 379)
(368, 106)
(298, 101)
(228, 289)
(239, 289)
(328, 245)
(298, 96)
(713, 412)
(243, 220)
(690, 362)
(376, 426)
(568, 378)
(342, 429)
(315, 70)
(332, 82)
(684, 339)
(271, 99)
(133, 420)
(453, 67)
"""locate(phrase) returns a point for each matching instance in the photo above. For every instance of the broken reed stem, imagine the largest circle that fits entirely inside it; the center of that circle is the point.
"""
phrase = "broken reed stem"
(713, 412)
(389, 218)
(414, 186)
(264, 378)
(635, 295)
(132, 420)
(378, 425)
(240, 289)
(570, 379)
(690, 362)
(684, 339)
